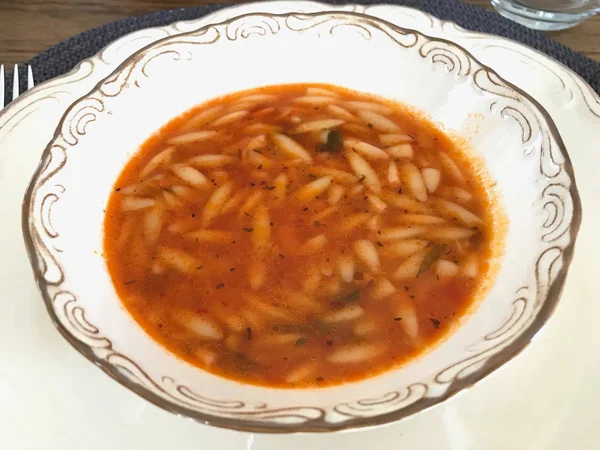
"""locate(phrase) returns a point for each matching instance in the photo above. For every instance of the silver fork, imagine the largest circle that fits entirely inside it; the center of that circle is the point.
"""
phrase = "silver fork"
(15, 89)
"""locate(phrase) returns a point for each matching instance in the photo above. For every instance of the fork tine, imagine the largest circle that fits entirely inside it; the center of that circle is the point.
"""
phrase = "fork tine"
(15, 83)
(1, 86)
(29, 77)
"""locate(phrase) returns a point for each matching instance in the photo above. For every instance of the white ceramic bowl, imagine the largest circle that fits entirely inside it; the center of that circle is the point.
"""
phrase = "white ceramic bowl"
(513, 136)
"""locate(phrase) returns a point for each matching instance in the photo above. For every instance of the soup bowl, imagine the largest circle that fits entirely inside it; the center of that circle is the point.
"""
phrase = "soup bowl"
(506, 130)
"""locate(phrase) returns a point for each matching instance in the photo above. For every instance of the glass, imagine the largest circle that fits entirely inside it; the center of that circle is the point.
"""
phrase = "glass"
(547, 15)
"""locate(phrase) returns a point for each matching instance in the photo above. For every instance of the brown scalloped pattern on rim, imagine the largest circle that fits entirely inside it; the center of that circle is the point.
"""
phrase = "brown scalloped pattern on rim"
(532, 307)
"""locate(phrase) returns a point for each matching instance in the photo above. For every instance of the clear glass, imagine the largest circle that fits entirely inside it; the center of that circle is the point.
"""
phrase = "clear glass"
(547, 15)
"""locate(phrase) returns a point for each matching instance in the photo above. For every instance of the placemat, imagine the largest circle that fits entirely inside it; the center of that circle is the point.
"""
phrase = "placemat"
(62, 57)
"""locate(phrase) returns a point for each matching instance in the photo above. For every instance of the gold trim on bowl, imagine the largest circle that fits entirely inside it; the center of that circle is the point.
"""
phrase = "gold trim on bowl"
(497, 348)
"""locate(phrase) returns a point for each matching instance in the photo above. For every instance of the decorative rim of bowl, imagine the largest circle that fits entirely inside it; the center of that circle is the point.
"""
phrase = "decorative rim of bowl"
(456, 385)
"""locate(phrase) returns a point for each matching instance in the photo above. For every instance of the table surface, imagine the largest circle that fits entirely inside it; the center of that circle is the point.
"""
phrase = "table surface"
(29, 27)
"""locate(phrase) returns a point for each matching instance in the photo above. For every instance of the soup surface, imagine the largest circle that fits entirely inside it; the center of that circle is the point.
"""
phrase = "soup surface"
(298, 235)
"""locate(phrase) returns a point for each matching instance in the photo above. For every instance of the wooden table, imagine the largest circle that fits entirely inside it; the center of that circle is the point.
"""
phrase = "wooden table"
(28, 27)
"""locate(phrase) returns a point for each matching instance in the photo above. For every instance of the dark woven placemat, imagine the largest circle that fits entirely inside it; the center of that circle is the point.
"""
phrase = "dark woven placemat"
(61, 58)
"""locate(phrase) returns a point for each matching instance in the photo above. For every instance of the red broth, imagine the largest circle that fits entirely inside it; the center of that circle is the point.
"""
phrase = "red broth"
(299, 236)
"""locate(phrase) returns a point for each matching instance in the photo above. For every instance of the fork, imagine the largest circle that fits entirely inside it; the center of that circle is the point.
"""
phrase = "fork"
(15, 87)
